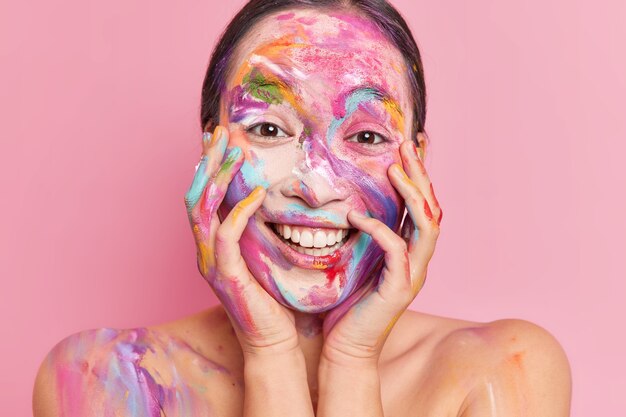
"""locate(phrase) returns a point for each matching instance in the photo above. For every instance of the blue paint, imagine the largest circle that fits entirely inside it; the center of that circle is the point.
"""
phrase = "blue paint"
(321, 214)
(252, 175)
(197, 186)
(291, 300)
(352, 104)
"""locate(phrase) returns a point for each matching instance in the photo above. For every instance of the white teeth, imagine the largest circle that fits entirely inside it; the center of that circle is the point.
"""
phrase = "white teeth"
(319, 239)
(306, 239)
(312, 241)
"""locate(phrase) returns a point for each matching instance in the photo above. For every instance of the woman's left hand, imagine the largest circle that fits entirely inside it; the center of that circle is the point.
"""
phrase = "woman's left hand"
(356, 336)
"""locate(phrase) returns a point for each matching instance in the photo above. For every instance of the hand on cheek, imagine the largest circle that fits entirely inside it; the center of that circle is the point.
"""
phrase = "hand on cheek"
(260, 322)
(358, 335)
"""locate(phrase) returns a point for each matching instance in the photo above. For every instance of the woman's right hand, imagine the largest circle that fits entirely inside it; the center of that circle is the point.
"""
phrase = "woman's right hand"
(262, 324)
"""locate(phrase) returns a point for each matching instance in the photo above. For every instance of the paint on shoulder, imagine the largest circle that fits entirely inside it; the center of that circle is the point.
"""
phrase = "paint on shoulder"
(130, 372)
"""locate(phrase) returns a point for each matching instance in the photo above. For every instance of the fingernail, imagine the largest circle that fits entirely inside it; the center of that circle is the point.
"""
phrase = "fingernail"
(206, 137)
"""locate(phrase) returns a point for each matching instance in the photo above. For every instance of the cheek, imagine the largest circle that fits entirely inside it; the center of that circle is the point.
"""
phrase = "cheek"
(251, 175)
(368, 178)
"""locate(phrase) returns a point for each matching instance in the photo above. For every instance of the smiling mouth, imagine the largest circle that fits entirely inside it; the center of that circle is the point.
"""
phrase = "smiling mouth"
(311, 241)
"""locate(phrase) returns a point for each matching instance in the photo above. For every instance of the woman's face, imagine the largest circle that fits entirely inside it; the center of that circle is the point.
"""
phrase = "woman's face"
(319, 103)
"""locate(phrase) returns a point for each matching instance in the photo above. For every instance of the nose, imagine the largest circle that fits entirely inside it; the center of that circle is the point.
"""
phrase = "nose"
(313, 178)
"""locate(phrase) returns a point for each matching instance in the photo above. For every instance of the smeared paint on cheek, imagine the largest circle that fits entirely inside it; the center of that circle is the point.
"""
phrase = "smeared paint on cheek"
(320, 61)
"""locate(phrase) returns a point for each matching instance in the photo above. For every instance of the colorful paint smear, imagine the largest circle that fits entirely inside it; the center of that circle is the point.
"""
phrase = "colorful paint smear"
(136, 372)
(320, 80)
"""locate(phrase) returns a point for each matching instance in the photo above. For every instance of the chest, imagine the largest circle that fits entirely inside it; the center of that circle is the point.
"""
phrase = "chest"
(199, 389)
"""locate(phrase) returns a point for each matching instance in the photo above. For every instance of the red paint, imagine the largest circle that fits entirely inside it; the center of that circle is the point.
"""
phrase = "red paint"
(333, 271)
(429, 213)
(432, 192)
(517, 359)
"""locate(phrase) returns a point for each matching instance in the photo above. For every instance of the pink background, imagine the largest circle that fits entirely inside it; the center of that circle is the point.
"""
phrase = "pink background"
(100, 136)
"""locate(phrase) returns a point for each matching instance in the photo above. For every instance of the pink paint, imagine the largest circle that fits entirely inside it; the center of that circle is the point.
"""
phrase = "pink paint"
(318, 171)
(132, 372)
(285, 16)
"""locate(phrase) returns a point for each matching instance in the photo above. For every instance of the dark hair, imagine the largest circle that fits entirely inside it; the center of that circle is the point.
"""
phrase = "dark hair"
(383, 14)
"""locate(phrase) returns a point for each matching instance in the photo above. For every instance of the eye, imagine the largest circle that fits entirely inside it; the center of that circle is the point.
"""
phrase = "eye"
(367, 137)
(266, 130)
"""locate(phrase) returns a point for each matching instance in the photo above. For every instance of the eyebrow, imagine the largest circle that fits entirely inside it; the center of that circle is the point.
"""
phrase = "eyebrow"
(369, 92)
(365, 94)
(272, 88)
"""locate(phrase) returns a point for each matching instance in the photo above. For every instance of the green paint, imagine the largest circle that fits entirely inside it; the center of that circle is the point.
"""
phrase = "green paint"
(266, 90)
(233, 156)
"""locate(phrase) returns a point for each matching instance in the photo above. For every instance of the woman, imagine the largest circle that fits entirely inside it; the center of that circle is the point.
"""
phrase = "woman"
(313, 114)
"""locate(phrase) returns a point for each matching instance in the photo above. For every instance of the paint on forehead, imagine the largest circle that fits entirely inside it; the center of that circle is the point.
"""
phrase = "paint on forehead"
(270, 91)
(240, 102)
(261, 81)
(285, 16)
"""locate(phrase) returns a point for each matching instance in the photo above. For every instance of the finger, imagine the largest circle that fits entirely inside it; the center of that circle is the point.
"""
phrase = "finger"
(416, 171)
(228, 257)
(213, 147)
(422, 245)
(395, 280)
(212, 199)
(216, 190)
(415, 202)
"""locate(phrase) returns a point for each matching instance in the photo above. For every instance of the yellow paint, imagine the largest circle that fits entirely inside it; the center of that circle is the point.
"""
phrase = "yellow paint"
(246, 202)
(397, 117)
(319, 265)
(207, 258)
(390, 326)
(276, 51)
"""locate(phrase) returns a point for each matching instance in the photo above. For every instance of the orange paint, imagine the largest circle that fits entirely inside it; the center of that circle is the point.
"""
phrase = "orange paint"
(517, 359)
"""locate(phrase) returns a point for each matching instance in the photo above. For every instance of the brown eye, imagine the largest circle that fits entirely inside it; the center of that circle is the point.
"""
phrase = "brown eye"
(367, 137)
(267, 130)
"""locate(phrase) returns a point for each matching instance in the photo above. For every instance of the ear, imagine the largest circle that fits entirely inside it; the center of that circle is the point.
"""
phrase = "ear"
(422, 141)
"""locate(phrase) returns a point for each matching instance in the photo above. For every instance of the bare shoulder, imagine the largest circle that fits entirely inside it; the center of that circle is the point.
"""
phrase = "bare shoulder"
(136, 372)
(513, 366)
(66, 367)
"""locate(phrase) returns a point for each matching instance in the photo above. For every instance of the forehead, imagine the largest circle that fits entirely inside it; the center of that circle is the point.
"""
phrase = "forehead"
(321, 54)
